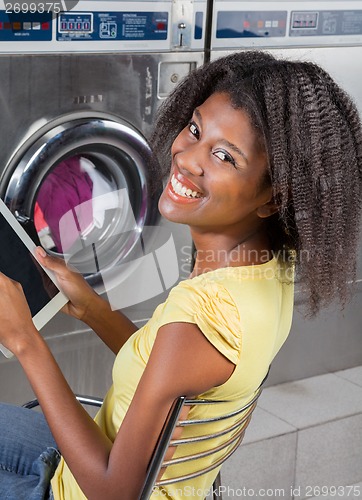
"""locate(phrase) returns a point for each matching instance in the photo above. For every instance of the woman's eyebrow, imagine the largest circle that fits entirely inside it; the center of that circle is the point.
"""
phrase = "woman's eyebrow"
(198, 115)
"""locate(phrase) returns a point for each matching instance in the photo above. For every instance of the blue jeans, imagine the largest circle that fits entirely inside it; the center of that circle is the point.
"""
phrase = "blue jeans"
(28, 454)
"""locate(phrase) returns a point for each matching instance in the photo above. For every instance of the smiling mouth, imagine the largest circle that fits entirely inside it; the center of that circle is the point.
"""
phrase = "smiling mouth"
(182, 190)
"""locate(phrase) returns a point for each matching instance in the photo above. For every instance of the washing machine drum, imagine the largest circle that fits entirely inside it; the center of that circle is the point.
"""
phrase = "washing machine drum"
(82, 188)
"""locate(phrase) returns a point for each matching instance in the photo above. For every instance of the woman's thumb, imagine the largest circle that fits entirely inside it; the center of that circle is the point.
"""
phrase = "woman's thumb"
(48, 261)
(40, 252)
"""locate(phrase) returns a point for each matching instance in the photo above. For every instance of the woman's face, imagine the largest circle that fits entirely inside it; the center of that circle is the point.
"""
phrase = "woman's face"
(217, 170)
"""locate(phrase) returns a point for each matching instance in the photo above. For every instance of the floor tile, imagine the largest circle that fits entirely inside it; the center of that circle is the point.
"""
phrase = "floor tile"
(352, 374)
(312, 401)
(330, 454)
(264, 468)
(264, 425)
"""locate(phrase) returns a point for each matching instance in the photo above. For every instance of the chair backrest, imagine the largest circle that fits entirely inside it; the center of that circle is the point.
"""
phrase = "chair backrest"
(233, 434)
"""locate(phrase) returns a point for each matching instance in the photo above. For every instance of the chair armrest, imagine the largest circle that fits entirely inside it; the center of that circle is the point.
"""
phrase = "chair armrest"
(84, 400)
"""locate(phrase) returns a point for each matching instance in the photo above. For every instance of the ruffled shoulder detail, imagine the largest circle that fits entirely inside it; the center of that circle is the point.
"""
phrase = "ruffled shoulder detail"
(210, 306)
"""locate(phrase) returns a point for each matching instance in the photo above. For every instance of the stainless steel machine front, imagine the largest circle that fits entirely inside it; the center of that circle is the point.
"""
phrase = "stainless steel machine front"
(82, 89)
(79, 93)
(328, 32)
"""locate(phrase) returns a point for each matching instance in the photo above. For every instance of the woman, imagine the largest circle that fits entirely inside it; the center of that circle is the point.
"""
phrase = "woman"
(266, 169)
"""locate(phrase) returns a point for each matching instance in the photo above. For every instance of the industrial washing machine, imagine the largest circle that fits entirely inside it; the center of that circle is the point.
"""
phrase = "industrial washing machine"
(79, 93)
(328, 32)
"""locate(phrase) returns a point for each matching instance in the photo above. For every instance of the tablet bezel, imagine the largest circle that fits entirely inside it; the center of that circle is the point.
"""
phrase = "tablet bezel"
(58, 301)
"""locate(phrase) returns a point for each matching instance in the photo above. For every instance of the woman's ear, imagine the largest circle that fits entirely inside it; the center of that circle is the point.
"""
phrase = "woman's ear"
(268, 209)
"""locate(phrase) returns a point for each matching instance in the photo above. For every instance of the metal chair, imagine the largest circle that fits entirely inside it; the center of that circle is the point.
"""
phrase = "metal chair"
(233, 434)
(84, 400)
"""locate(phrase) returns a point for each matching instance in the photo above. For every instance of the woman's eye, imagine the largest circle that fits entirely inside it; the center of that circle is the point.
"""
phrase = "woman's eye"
(193, 129)
(224, 156)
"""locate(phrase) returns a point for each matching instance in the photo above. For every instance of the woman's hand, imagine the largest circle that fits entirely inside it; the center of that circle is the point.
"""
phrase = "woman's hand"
(82, 297)
(16, 324)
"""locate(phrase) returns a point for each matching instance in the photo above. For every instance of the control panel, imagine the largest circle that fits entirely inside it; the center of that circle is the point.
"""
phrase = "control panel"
(129, 25)
(326, 23)
(250, 24)
(92, 26)
(18, 27)
(286, 23)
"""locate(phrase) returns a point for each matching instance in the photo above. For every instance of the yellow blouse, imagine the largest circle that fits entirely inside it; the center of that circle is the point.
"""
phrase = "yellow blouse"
(245, 312)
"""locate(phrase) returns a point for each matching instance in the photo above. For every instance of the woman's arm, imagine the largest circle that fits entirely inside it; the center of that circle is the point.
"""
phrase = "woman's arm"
(182, 361)
(113, 327)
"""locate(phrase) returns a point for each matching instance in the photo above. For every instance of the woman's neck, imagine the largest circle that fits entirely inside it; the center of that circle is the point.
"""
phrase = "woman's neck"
(214, 251)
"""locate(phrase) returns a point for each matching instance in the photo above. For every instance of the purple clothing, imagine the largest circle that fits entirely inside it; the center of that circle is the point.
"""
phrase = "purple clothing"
(64, 189)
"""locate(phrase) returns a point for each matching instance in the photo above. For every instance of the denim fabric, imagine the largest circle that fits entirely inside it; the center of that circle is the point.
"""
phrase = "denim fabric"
(28, 454)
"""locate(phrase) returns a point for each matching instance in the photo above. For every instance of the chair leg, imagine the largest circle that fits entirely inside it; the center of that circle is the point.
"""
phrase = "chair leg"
(216, 488)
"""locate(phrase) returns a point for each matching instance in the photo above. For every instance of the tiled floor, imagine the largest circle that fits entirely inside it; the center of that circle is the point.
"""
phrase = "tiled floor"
(304, 435)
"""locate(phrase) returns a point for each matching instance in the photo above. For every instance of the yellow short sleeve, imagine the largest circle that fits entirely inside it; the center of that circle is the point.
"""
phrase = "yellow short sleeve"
(209, 306)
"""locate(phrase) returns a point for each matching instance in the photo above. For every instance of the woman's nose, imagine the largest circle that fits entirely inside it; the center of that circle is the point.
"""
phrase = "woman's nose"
(189, 161)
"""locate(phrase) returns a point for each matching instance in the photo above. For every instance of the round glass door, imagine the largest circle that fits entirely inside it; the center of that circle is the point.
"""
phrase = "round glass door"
(84, 188)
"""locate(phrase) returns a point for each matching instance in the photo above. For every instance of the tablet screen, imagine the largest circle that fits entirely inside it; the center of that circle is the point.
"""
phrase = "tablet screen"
(17, 262)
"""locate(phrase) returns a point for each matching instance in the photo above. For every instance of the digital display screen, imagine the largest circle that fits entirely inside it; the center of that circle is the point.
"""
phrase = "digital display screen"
(305, 20)
(81, 23)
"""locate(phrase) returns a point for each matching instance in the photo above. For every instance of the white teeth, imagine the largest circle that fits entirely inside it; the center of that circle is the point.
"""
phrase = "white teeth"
(183, 190)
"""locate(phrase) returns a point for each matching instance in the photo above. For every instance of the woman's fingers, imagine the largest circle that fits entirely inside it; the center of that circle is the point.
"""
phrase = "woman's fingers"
(71, 282)
(55, 264)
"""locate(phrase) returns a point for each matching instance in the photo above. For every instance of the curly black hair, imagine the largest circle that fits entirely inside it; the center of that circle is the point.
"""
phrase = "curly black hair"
(311, 131)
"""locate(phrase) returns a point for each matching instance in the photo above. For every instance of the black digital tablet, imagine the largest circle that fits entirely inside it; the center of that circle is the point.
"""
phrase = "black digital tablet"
(18, 262)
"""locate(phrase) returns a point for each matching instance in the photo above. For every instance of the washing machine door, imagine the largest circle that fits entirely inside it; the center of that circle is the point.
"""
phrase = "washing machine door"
(81, 185)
